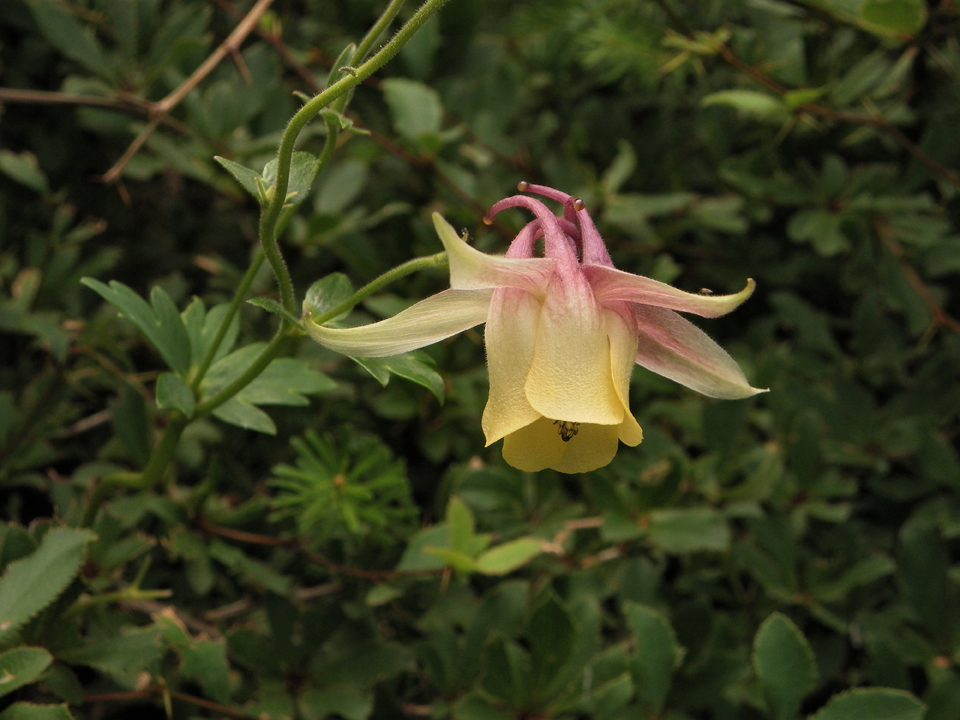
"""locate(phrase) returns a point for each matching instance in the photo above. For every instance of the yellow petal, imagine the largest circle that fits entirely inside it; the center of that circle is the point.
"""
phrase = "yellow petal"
(570, 376)
(471, 269)
(623, 349)
(429, 321)
(510, 337)
(540, 445)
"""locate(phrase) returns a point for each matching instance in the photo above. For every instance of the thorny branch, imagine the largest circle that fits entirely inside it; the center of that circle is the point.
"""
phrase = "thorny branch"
(160, 109)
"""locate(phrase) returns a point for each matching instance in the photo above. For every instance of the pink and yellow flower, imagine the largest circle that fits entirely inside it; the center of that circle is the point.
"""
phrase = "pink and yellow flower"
(563, 333)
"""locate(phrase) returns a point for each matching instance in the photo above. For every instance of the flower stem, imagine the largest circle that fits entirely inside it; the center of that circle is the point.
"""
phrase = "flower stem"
(411, 266)
(271, 212)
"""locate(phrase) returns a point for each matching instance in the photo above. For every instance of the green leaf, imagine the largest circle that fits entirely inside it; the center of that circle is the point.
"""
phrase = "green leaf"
(349, 704)
(327, 293)
(785, 664)
(459, 561)
(749, 102)
(276, 308)
(657, 656)
(461, 524)
(415, 108)
(285, 381)
(412, 365)
(242, 174)
(22, 666)
(123, 657)
(509, 556)
(131, 424)
(821, 228)
(174, 394)
(23, 168)
(416, 557)
(343, 59)
(684, 530)
(62, 30)
(30, 584)
(29, 711)
(202, 327)
(893, 18)
(242, 414)
(303, 171)
(159, 322)
(551, 634)
(872, 704)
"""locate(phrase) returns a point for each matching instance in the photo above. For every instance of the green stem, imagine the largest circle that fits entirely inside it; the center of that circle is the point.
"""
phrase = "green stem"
(237, 300)
(411, 266)
(271, 212)
(371, 37)
(266, 356)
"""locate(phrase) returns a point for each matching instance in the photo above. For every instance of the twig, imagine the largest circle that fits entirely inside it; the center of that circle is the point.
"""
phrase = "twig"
(276, 41)
(941, 317)
(854, 118)
(160, 109)
(318, 558)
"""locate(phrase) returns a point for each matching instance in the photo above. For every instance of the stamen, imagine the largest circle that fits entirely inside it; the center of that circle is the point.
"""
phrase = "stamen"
(523, 185)
(567, 430)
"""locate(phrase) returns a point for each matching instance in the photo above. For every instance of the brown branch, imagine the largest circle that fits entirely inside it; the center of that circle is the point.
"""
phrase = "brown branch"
(160, 690)
(160, 109)
(941, 318)
(854, 118)
(276, 41)
(318, 558)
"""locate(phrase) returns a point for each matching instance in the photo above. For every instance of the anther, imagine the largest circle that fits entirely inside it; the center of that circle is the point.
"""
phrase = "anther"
(578, 204)
(487, 220)
(523, 185)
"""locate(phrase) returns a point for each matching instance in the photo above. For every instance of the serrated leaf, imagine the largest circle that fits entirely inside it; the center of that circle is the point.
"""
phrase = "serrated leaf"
(22, 666)
(785, 664)
(174, 394)
(159, 321)
(657, 656)
(32, 583)
(29, 711)
(412, 366)
(872, 704)
(509, 556)
(246, 177)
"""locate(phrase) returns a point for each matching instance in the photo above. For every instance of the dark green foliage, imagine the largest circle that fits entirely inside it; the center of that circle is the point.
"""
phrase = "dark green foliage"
(363, 555)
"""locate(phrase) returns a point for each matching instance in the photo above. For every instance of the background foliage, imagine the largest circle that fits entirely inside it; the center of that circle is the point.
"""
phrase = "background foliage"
(356, 552)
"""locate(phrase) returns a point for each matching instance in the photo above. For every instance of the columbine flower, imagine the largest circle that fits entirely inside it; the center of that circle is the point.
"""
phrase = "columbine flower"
(563, 332)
